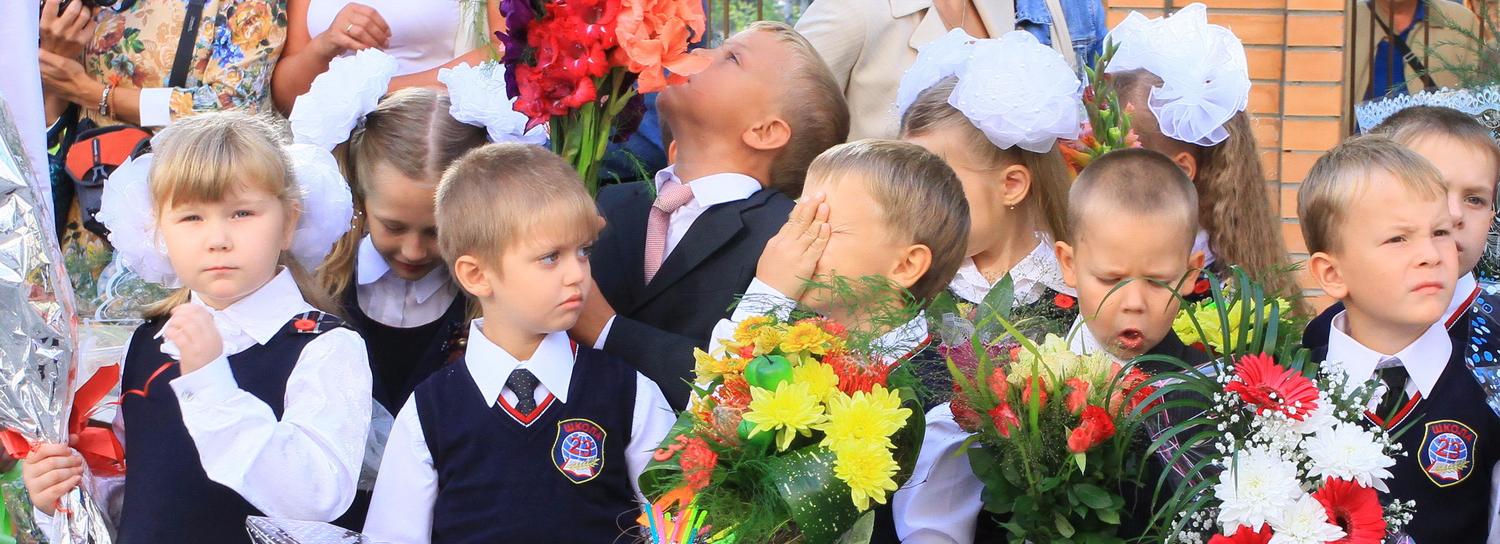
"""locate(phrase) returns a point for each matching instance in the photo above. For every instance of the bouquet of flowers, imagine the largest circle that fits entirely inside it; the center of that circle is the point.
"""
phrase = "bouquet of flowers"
(1269, 448)
(1108, 124)
(1053, 434)
(580, 66)
(793, 433)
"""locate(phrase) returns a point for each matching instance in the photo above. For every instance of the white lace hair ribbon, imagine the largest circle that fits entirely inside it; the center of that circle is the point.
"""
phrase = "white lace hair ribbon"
(478, 98)
(1205, 76)
(340, 98)
(129, 213)
(1015, 90)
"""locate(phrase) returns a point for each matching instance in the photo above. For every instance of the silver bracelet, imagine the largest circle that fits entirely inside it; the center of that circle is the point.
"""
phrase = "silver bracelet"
(104, 100)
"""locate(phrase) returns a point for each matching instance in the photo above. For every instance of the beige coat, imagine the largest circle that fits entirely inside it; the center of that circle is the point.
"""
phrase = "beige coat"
(1437, 39)
(869, 44)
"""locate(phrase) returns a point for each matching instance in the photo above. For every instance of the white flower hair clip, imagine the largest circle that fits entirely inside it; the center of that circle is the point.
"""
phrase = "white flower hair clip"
(341, 97)
(478, 97)
(130, 215)
(1205, 77)
(1015, 90)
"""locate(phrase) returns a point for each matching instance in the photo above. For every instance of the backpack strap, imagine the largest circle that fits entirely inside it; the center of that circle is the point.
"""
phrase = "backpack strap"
(191, 21)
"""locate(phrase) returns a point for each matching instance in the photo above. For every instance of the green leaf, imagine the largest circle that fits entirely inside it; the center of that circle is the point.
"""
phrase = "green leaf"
(1063, 527)
(1093, 496)
(862, 531)
(1082, 461)
(1109, 516)
(999, 300)
(819, 502)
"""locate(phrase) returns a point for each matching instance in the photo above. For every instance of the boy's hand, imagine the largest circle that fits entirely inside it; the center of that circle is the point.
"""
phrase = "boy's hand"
(198, 342)
(791, 257)
(51, 471)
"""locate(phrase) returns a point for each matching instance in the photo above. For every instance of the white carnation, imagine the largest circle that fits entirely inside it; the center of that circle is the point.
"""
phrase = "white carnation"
(1348, 452)
(1306, 522)
(1255, 488)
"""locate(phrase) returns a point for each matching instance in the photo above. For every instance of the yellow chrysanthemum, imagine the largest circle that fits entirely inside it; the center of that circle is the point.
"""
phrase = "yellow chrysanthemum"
(747, 329)
(821, 379)
(805, 337)
(767, 339)
(868, 468)
(709, 368)
(866, 417)
(1183, 326)
(791, 410)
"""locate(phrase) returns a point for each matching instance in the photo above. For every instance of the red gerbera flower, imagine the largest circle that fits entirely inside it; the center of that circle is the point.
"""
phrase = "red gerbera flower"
(1355, 509)
(1269, 386)
(1244, 535)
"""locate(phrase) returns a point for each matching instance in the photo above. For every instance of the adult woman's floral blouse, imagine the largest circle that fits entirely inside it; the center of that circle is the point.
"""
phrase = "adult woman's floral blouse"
(236, 50)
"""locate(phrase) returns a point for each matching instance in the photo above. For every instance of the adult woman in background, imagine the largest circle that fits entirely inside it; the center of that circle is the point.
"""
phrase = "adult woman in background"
(423, 35)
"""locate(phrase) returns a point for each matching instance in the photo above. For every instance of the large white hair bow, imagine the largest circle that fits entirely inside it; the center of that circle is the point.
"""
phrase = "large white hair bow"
(341, 97)
(1015, 90)
(1205, 77)
(478, 97)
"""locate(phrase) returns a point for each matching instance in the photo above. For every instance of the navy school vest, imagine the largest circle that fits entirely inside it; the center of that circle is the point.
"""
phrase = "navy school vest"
(168, 496)
(402, 357)
(563, 478)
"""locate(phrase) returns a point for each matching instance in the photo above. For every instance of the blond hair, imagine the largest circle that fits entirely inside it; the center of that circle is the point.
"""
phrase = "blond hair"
(495, 195)
(1345, 172)
(812, 103)
(1233, 205)
(920, 198)
(1046, 203)
(1137, 182)
(206, 158)
(411, 132)
(1409, 125)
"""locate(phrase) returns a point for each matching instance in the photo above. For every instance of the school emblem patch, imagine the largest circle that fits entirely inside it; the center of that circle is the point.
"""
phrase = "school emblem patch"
(578, 451)
(1447, 452)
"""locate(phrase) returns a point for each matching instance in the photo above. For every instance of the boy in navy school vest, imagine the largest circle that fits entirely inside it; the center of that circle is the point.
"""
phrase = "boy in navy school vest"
(529, 437)
(1379, 230)
(676, 251)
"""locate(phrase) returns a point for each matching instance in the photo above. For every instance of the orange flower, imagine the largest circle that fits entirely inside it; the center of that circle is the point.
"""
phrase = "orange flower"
(654, 35)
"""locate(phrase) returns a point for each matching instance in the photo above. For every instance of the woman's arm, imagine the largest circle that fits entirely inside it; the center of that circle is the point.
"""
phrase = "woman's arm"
(356, 27)
(428, 78)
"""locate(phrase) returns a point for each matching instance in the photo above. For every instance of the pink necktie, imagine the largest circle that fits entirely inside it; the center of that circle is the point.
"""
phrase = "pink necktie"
(673, 195)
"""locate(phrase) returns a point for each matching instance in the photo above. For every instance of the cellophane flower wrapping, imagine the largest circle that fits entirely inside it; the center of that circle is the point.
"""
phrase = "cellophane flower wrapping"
(580, 66)
(37, 349)
(285, 531)
(1053, 432)
(1265, 445)
(795, 433)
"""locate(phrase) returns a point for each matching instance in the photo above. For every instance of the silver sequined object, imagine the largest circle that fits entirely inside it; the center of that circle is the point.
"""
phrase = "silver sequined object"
(285, 531)
(37, 326)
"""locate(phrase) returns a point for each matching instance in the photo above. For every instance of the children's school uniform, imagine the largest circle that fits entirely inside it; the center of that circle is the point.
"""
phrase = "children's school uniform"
(1452, 441)
(493, 449)
(709, 233)
(275, 426)
(410, 327)
(1037, 282)
(1456, 318)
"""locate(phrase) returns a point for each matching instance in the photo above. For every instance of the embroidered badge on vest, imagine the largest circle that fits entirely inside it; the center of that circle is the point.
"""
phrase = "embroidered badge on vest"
(315, 322)
(578, 451)
(1447, 452)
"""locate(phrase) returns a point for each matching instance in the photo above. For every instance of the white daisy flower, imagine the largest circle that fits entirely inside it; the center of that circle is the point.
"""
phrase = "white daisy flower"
(1256, 487)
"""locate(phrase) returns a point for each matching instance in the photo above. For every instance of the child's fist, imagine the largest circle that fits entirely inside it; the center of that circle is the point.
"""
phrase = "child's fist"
(791, 257)
(192, 329)
(51, 471)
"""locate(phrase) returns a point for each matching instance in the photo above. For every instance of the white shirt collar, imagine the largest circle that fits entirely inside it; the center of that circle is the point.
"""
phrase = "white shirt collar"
(1035, 272)
(1461, 291)
(371, 267)
(713, 189)
(1424, 358)
(491, 365)
(902, 341)
(263, 313)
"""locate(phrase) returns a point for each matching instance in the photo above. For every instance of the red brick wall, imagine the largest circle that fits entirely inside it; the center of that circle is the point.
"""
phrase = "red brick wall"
(1296, 53)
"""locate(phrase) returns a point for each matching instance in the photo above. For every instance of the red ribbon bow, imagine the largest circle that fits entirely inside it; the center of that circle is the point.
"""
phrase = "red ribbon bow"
(98, 445)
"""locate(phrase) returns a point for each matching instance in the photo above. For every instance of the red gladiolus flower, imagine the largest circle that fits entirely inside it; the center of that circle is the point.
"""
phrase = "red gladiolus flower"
(998, 385)
(1064, 301)
(697, 463)
(1244, 535)
(1078, 394)
(1037, 385)
(1004, 418)
(1269, 386)
(1355, 509)
(1094, 428)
